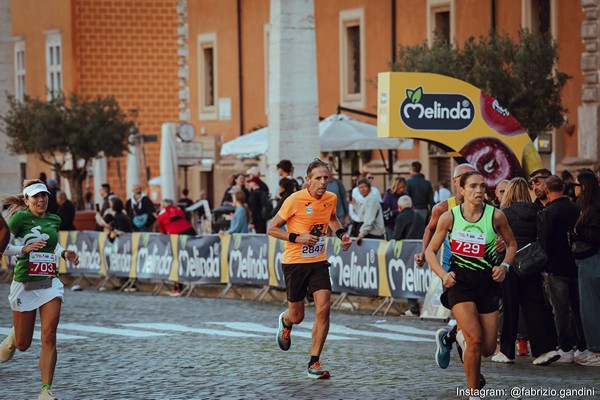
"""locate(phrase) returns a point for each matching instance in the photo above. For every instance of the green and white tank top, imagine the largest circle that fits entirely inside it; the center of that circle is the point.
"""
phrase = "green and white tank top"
(28, 228)
(473, 244)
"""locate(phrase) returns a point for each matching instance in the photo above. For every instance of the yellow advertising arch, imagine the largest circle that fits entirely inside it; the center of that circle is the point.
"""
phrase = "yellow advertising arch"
(469, 124)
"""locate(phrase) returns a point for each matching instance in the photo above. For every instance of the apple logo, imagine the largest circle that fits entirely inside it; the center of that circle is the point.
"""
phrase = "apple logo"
(493, 159)
(497, 117)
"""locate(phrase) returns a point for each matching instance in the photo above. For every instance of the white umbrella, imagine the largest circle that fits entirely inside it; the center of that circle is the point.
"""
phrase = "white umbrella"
(337, 132)
(168, 162)
(133, 168)
(99, 171)
(250, 145)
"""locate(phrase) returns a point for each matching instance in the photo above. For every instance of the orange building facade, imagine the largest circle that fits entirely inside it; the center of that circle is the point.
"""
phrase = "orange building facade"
(206, 62)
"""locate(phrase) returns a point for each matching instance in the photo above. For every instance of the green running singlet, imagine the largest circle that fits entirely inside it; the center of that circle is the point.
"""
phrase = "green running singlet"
(473, 244)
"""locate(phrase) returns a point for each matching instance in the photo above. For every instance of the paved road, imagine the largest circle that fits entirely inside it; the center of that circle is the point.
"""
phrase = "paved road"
(136, 346)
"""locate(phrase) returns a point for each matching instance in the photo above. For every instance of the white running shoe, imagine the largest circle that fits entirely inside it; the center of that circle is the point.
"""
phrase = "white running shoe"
(47, 395)
(592, 359)
(580, 355)
(460, 339)
(501, 358)
(566, 356)
(7, 348)
(547, 358)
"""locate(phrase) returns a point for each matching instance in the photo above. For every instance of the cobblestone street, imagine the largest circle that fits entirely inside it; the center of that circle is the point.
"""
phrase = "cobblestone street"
(137, 346)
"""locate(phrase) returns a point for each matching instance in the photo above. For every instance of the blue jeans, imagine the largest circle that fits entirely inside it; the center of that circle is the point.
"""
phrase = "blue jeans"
(563, 293)
(589, 293)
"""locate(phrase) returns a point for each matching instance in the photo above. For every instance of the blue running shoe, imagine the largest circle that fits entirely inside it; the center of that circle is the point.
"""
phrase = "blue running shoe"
(442, 352)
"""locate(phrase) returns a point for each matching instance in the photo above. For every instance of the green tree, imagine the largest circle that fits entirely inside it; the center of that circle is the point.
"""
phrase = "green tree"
(522, 75)
(68, 133)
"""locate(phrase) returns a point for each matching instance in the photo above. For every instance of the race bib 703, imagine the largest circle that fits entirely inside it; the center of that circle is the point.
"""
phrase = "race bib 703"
(42, 264)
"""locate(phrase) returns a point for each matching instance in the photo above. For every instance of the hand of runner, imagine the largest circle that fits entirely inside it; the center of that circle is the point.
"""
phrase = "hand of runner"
(307, 238)
(420, 259)
(346, 242)
(500, 245)
(449, 279)
(499, 273)
(72, 257)
(34, 246)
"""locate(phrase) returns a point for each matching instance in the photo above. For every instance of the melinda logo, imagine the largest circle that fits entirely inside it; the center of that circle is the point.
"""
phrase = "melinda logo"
(436, 111)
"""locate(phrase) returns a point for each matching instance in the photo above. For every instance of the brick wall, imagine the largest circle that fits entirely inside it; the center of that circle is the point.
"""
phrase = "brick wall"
(129, 49)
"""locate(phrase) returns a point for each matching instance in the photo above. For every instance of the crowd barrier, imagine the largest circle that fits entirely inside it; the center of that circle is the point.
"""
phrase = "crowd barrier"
(375, 268)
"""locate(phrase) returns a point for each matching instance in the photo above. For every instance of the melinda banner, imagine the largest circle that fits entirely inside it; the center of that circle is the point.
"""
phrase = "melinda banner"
(155, 256)
(199, 259)
(459, 117)
(87, 245)
(355, 270)
(247, 259)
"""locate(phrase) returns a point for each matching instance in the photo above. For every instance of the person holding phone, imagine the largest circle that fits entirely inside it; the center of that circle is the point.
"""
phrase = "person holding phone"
(307, 214)
(35, 285)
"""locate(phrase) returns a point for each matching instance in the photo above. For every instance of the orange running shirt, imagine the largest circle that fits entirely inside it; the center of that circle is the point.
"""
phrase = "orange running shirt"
(302, 212)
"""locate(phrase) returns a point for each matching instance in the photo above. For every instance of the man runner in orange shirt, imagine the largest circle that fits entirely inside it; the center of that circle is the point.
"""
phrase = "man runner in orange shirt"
(307, 214)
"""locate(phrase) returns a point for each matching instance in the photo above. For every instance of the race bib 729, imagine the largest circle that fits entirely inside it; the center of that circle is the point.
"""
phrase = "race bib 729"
(470, 244)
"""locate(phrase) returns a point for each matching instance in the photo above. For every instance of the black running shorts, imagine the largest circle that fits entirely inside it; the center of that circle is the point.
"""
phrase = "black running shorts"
(301, 279)
(473, 286)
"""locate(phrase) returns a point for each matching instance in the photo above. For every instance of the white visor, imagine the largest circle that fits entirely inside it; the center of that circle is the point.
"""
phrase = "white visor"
(34, 189)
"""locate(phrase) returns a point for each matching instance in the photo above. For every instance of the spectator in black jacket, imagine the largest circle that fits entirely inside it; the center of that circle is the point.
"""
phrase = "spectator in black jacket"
(256, 203)
(140, 210)
(409, 224)
(66, 212)
(420, 191)
(557, 221)
(587, 256)
(286, 188)
(522, 216)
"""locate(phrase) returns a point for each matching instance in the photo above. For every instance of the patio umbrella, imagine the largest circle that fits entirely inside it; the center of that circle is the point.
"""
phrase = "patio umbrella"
(250, 145)
(338, 132)
(133, 168)
(168, 162)
(99, 171)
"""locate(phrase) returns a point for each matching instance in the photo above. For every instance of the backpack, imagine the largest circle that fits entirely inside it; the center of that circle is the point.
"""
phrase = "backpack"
(386, 212)
(266, 206)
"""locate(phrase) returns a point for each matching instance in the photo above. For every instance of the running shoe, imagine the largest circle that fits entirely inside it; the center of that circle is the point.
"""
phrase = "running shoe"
(316, 372)
(566, 356)
(284, 339)
(442, 351)
(47, 395)
(7, 348)
(522, 349)
(591, 360)
(547, 358)
(499, 357)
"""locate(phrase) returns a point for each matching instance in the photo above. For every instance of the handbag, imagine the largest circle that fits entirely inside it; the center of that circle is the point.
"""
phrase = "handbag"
(530, 259)
(140, 220)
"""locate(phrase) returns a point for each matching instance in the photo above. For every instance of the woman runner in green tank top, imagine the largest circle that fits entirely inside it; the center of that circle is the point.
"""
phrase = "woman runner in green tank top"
(473, 280)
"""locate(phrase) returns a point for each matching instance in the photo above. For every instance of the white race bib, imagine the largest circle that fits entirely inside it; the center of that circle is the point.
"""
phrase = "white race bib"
(470, 244)
(314, 251)
(42, 264)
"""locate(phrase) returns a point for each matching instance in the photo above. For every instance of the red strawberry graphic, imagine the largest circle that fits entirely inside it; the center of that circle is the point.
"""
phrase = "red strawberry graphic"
(497, 117)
